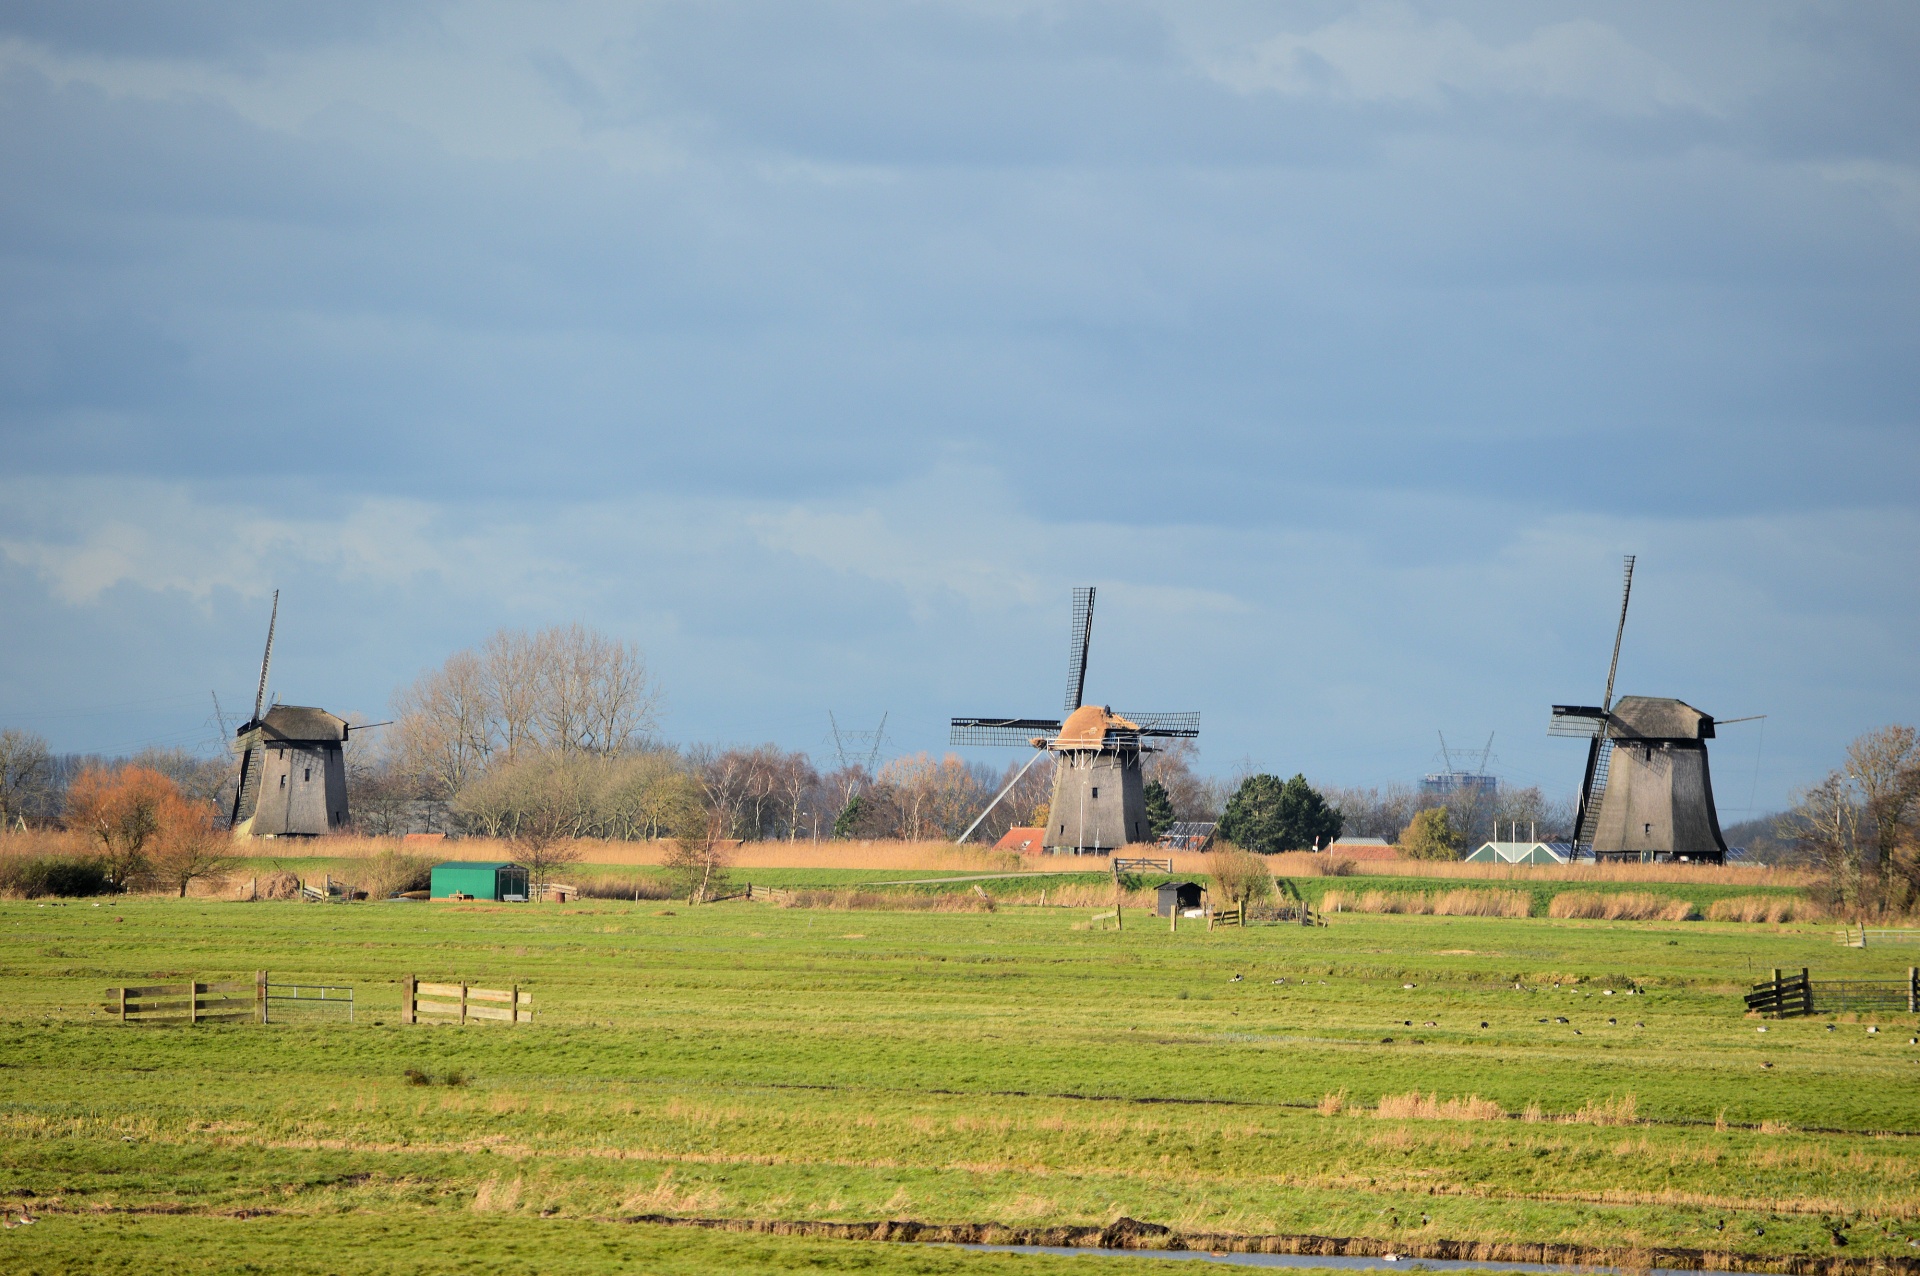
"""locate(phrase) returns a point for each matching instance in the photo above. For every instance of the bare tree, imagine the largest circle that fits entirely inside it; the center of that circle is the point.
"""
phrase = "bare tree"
(699, 857)
(26, 778)
(563, 690)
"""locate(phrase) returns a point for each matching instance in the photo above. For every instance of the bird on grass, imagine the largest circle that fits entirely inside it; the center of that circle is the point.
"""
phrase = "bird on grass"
(1483, 1023)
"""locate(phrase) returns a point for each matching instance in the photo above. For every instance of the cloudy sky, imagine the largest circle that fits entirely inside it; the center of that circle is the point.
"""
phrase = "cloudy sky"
(820, 349)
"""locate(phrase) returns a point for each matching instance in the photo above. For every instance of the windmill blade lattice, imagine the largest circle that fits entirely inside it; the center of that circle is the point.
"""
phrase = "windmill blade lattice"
(1006, 732)
(1077, 653)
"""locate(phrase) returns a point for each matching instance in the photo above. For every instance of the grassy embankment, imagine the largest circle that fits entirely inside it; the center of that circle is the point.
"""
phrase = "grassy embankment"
(753, 1062)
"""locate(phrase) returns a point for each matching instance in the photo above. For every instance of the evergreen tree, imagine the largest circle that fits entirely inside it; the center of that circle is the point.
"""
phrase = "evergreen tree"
(849, 819)
(1267, 814)
(1159, 810)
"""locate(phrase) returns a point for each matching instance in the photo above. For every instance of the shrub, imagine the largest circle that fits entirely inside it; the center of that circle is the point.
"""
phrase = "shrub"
(1241, 876)
(1625, 906)
(1431, 836)
(1764, 908)
(67, 876)
(390, 872)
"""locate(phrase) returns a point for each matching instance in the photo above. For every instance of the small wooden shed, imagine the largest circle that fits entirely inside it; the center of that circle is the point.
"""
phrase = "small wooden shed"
(480, 879)
(1178, 896)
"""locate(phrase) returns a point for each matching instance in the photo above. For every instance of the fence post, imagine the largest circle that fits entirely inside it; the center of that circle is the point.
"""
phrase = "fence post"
(513, 1006)
(1806, 992)
(1913, 989)
(407, 995)
(260, 995)
(463, 1003)
(123, 1005)
(193, 1000)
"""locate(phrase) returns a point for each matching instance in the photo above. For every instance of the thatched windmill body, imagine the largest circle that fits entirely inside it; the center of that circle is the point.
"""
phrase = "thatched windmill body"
(293, 768)
(1099, 800)
(1647, 794)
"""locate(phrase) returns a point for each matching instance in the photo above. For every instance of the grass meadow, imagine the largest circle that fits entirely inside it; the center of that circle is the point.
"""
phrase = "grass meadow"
(1401, 1080)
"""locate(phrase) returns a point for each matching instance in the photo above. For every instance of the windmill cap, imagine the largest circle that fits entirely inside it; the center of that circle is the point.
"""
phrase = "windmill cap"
(296, 722)
(1658, 718)
(1087, 727)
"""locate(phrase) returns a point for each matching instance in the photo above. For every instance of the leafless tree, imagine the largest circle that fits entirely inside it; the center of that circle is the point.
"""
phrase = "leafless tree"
(26, 778)
(1193, 796)
(565, 689)
(699, 857)
(1859, 822)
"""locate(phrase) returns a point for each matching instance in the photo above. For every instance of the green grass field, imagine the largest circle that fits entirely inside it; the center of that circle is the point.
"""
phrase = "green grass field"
(743, 1061)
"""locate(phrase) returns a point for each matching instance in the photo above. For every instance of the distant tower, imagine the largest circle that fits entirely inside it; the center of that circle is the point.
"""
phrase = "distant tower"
(1457, 776)
(293, 769)
(1099, 802)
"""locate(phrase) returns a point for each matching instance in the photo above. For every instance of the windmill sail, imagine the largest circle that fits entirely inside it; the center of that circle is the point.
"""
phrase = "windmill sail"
(1077, 652)
(1593, 787)
(246, 792)
(1001, 731)
(1166, 726)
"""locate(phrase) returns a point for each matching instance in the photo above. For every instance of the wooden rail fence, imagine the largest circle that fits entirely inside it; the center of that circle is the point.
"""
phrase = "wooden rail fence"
(1861, 937)
(188, 1003)
(1121, 865)
(1802, 995)
(462, 1003)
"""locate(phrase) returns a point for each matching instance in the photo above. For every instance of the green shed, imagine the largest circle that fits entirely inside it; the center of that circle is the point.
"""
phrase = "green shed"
(480, 879)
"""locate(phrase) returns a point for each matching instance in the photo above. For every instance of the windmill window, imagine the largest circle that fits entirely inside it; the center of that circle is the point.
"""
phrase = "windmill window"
(309, 774)
(1648, 828)
(1096, 790)
(283, 781)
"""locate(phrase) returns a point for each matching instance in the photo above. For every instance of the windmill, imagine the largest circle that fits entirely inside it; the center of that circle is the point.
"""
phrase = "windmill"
(293, 774)
(1099, 803)
(1647, 794)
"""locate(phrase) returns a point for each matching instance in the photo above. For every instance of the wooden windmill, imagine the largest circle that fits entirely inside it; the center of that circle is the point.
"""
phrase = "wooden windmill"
(1099, 801)
(1647, 794)
(293, 772)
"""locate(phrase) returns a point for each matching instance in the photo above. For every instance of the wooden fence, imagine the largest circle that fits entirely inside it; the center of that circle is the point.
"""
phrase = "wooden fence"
(188, 1003)
(1140, 865)
(1803, 995)
(1861, 937)
(462, 1003)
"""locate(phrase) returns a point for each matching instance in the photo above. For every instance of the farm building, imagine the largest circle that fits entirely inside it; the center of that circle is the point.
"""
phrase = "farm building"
(471, 879)
(1522, 853)
(1189, 835)
(1027, 841)
(1178, 896)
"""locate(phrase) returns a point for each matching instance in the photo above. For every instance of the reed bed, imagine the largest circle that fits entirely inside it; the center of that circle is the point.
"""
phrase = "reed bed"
(1070, 895)
(1765, 908)
(1415, 1106)
(1457, 903)
(1623, 906)
(892, 901)
(1310, 864)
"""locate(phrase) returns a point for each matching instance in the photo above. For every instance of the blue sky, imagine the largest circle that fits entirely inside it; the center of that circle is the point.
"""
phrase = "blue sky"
(821, 349)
